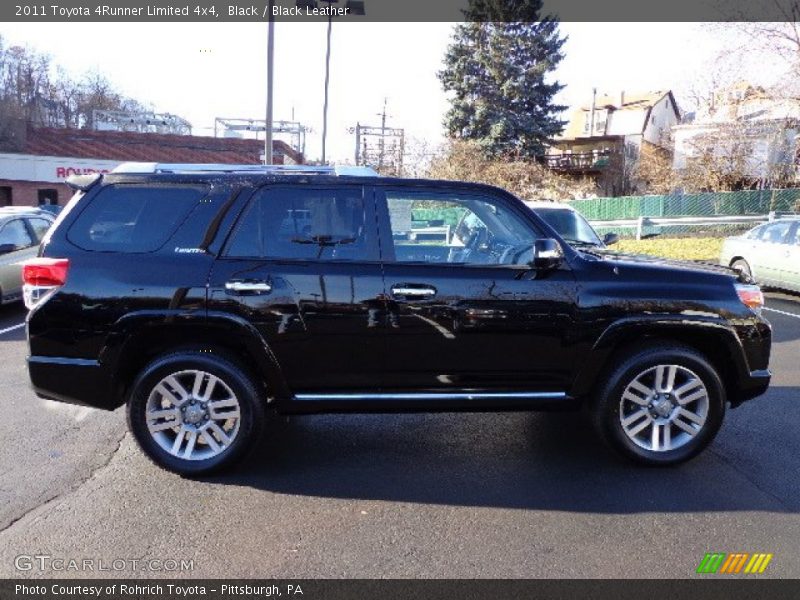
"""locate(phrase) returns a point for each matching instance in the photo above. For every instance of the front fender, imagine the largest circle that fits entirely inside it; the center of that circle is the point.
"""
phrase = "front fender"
(700, 332)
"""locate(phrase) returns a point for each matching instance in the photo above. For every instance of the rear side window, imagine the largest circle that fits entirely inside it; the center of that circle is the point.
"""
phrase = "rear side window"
(133, 218)
(40, 227)
(305, 224)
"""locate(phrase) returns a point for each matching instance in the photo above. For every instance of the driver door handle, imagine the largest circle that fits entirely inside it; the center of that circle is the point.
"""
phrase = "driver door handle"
(413, 292)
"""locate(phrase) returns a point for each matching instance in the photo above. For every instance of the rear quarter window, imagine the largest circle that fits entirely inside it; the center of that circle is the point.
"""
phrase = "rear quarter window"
(133, 218)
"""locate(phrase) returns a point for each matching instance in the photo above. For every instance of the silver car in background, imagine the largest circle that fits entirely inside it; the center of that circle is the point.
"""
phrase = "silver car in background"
(21, 231)
(769, 253)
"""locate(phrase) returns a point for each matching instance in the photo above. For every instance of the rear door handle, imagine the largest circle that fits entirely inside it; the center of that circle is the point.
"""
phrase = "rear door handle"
(238, 286)
(415, 292)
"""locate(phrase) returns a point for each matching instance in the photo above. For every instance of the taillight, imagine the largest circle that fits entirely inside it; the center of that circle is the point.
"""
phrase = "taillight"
(45, 272)
(750, 295)
(41, 277)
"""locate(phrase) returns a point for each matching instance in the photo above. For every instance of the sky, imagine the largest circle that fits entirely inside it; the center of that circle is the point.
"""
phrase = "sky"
(205, 70)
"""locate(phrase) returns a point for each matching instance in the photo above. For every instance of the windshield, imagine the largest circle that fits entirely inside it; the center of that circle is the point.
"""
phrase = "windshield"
(570, 225)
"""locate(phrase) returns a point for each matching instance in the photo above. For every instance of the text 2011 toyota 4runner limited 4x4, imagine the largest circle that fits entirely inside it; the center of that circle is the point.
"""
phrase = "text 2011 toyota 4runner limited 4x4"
(206, 297)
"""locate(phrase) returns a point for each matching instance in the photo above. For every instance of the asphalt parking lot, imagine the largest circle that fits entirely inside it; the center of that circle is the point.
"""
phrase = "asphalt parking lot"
(458, 495)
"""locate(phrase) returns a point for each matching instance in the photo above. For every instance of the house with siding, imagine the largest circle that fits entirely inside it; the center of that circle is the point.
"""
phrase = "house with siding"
(604, 138)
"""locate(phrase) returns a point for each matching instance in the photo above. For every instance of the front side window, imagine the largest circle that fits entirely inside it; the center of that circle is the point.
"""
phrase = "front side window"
(301, 223)
(456, 229)
(775, 233)
(14, 233)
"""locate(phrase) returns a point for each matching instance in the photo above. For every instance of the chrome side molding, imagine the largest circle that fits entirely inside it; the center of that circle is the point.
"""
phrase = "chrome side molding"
(436, 396)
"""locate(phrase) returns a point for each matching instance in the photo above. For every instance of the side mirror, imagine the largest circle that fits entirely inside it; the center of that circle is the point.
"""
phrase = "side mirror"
(547, 254)
(610, 239)
(6, 248)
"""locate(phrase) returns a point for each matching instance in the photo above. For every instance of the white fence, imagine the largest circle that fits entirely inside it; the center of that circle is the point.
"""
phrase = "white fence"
(643, 222)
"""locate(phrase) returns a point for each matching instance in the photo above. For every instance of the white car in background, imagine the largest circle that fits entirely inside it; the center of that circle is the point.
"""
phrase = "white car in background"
(769, 253)
(21, 231)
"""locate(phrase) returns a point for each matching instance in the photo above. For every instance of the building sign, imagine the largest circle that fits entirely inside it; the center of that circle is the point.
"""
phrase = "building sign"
(50, 169)
(64, 172)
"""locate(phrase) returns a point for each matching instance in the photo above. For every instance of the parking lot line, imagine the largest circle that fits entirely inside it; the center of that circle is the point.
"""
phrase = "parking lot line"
(775, 310)
(12, 328)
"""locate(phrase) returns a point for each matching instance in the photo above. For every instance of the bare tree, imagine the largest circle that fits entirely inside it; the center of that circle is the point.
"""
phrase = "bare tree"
(33, 91)
(528, 179)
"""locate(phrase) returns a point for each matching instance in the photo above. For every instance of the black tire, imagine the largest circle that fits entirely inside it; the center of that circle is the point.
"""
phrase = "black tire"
(742, 265)
(251, 414)
(610, 408)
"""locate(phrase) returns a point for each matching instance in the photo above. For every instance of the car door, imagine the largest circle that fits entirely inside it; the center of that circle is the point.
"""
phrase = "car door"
(790, 261)
(302, 266)
(768, 252)
(16, 246)
(466, 312)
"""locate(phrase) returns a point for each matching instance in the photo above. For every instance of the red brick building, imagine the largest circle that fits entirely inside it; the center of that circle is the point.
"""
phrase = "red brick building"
(33, 172)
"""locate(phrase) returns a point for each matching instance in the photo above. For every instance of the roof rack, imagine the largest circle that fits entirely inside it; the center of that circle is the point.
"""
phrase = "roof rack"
(143, 167)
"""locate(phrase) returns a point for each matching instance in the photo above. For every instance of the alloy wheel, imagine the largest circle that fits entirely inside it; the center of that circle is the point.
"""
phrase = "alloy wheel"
(664, 408)
(193, 415)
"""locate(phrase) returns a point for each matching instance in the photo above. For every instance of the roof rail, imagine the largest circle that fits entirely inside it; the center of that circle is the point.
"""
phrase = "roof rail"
(143, 167)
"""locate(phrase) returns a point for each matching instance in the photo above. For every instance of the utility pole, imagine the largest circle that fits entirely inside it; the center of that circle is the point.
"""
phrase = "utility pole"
(270, 68)
(380, 146)
(327, 79)
(381, 140)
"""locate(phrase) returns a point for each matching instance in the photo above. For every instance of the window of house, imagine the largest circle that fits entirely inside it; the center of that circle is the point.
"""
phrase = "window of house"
(48, 196)
(5, 196)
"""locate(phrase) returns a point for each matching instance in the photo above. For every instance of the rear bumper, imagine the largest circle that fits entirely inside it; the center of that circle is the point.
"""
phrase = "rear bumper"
(72, 380)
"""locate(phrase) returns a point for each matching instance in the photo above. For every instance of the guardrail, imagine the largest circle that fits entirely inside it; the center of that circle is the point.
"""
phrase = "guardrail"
(642, 222)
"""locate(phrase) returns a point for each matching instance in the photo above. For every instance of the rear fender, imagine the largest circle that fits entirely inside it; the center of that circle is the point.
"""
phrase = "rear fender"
(138, 337)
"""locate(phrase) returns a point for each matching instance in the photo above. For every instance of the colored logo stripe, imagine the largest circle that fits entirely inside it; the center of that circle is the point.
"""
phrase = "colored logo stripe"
(711, 562)
(758, 563)
(721, 562)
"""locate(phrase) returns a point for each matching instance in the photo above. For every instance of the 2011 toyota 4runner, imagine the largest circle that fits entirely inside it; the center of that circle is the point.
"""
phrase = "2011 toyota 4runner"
(206, 298)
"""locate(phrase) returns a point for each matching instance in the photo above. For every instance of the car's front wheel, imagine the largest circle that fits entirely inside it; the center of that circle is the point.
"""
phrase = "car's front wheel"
(742, 266)
(194, 412)
(661, 405)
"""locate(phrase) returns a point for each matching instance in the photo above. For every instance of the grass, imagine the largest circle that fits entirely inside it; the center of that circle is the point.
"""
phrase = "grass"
(679, 248)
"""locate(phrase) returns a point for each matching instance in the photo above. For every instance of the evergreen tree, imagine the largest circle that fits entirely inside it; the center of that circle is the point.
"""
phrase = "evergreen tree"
(496, 66)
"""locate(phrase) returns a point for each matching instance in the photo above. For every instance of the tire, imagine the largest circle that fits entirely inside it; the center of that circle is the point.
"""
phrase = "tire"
(654, 389)
(741, 265)
(211, 402)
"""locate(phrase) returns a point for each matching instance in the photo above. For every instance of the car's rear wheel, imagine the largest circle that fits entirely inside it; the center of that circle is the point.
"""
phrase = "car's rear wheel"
(195, 412)
(661, 406)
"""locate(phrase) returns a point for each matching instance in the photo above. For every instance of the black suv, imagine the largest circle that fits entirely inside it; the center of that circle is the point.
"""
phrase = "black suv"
(207, 297)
